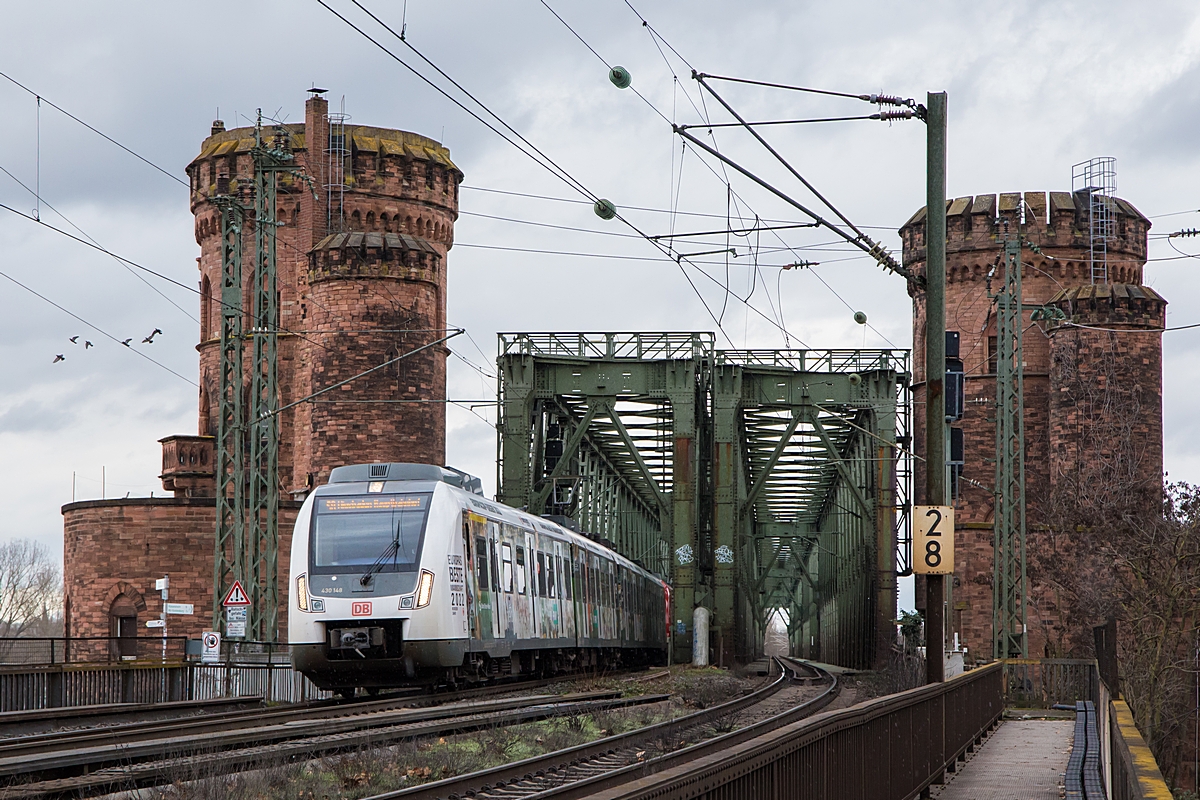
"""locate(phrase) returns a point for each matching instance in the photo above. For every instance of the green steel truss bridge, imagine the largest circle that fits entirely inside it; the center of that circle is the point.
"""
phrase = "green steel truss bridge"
(760, 482)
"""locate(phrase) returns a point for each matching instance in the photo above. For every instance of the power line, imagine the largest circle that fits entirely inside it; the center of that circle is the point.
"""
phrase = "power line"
(640, 208)
(679, 258)
(136, 265)
(99, 133)
(97, 329)
(542, 160)
(83, 233)
(679, 128)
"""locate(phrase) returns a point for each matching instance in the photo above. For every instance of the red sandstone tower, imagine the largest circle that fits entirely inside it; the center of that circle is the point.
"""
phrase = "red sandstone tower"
(361, 261)
(1071, 429)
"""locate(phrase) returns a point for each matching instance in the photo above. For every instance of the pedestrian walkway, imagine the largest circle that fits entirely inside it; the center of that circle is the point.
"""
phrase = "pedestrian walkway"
(1021, 760)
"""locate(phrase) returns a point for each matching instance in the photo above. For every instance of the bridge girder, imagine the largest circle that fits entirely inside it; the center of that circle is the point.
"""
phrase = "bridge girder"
(753, 480)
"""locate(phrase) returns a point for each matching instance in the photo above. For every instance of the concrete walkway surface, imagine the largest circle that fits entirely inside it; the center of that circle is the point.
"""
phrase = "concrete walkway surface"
(1021, 760)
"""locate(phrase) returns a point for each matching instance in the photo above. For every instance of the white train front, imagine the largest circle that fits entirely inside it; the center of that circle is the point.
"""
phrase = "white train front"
(404, 573)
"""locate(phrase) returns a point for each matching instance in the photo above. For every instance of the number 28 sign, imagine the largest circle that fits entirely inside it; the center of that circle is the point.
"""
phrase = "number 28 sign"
(933, 540)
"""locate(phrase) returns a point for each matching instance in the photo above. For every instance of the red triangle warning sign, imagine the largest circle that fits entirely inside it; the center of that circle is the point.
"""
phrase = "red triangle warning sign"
(236, 596)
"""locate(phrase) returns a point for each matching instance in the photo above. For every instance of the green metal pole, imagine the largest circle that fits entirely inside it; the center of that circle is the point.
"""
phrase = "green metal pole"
(935, 368)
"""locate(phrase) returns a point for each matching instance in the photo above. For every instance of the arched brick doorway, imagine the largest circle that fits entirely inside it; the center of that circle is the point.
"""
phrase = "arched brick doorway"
(124, 604)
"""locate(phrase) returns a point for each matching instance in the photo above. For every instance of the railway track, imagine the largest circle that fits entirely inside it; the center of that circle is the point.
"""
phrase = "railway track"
(80, 763)
(580, 771)
(29, 723)
(115, 723)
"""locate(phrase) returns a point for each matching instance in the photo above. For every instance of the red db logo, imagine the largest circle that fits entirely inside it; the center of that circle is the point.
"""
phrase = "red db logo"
(360, 609)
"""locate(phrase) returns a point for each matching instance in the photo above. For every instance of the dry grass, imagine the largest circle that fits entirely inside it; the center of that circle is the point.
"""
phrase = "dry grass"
(371, 770)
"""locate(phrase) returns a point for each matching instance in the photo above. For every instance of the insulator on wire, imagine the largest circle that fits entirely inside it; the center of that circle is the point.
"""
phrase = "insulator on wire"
(885, 100)
(886, 116)
(1185, 232)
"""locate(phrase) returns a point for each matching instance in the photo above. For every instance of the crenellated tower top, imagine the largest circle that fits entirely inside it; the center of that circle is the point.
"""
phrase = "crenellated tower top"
(1054, 222)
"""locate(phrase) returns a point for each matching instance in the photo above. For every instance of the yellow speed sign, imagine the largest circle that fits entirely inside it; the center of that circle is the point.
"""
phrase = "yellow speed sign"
(933, 540)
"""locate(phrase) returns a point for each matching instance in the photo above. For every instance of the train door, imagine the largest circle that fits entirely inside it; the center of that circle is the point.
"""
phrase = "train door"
(530, 569)
(470, 579)
(558, 589)
(481, 605)
(575, 593)
(501, 557)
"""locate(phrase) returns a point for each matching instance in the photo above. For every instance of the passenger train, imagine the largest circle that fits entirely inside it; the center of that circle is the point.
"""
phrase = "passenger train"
(405, 574)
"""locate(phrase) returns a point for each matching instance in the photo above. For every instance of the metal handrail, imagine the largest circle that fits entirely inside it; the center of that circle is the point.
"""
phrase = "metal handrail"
(910, 739)
(531, 766)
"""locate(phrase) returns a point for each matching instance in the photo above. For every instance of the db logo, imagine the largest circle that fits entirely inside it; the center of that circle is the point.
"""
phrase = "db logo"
(360, 609)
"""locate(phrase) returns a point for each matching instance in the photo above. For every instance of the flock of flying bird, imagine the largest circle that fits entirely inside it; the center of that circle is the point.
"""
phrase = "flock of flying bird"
(86, 344)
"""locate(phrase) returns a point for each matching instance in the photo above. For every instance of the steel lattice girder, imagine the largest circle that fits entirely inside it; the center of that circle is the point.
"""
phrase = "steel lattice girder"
(247, 524)
(755, 479)
(816, 499)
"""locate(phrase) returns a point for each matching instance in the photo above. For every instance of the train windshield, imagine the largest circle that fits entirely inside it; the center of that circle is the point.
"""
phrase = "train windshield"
(357, 532)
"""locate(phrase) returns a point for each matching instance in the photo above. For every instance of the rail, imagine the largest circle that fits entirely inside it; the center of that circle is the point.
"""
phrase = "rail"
(819, 360)
(1133, 773)
(1046, 682)
(909, 740)
(65, 685)
(1110, 738)
(667, 345)
(45, 650)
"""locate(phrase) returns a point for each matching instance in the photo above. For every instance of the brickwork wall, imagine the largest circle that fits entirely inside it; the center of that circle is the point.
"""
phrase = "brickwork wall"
(345, 306)
(395, 182)
(121, 547)
(975, 240)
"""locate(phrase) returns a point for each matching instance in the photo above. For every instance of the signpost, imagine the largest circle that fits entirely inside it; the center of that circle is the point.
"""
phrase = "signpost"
(180, 608)
(933, 541)
(163, 584)
(236, 603)
(210, 652)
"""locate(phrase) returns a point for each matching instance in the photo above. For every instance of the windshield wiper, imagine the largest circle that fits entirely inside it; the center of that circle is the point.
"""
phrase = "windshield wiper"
(391, 552)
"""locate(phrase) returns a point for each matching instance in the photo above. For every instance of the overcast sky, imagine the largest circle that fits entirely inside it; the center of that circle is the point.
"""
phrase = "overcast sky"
(1034, 87)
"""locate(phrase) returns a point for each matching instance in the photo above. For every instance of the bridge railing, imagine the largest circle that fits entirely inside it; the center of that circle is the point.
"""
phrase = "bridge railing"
(890, 747)
(1045, 682)
(1127, 767)
(53, 673)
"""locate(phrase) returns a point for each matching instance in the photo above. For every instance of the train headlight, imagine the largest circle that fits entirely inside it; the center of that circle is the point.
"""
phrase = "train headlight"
(302, 592)
(425, 588)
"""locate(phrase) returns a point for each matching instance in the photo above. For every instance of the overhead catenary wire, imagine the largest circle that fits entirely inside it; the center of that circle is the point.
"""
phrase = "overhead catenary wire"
(364, 373)
(540, 158)
(576, 184)
(101, 134)
(97, 328)
(278, 328)
(37, 218)
(467, 187)
(907, 113)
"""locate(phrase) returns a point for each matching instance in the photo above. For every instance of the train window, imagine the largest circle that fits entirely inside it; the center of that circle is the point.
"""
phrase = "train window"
(507, 566)
(541, 574)
(481, 563)
(566, 564)
(521, 574)
(551, 575)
